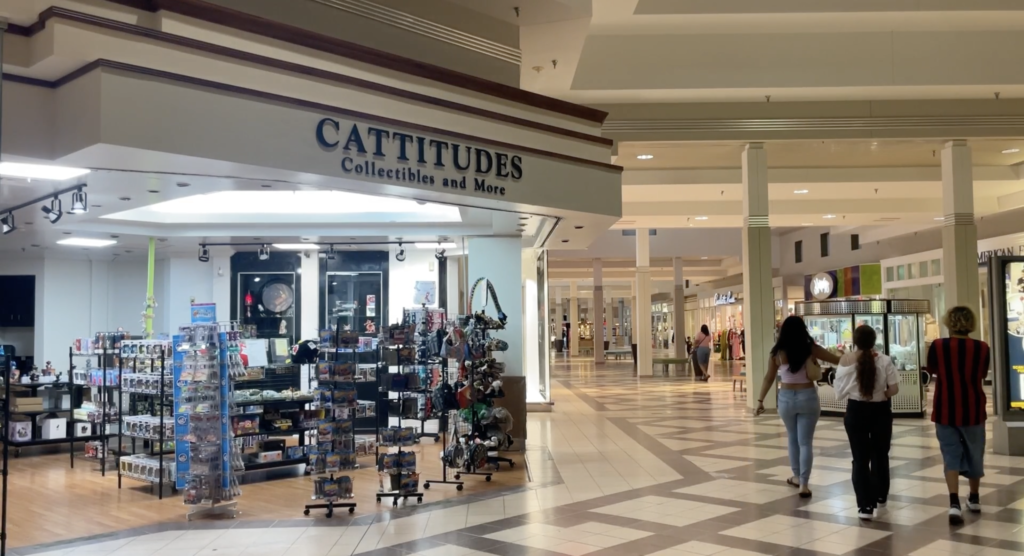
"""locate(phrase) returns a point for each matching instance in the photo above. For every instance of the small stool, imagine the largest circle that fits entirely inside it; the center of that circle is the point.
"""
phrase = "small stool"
(741, 379)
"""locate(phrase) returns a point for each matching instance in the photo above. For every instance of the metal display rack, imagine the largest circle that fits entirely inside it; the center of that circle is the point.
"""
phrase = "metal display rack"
(103, 390)
(277, 378)
(148, 386)
(335, 448)
(443, 421)
(404, 357)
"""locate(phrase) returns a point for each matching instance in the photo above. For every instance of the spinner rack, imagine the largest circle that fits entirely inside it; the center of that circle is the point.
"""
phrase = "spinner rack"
(207, 458)
(422, 433)
(443, 421)
(335, 446)
(140, 389)
(403, 351)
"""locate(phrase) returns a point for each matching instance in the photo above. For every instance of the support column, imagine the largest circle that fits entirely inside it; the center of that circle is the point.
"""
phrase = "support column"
(598, 314)
(622, 323)
(758, 295)
(678, 304)
(642, 310)
(959, 232)
(574, 320)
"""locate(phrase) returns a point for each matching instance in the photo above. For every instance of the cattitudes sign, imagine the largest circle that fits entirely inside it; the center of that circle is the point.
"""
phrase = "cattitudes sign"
(396, 156)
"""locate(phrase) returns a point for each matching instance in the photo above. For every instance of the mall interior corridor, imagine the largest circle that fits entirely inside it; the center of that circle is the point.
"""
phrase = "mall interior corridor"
(663, 466)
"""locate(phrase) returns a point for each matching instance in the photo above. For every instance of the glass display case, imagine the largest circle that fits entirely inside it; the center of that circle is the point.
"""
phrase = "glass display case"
(900, 326)
(266, 303)
(355, 299)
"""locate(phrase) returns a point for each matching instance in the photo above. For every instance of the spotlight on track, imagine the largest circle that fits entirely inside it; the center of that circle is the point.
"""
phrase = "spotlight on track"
(264, 252)
(400, 255)
(79, 202)
(439, 253)
(204, 254)
(53, 212)
(7, 223)
(331, 253)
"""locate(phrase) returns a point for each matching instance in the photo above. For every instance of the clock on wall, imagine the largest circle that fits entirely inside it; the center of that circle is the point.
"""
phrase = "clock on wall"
(277, 297)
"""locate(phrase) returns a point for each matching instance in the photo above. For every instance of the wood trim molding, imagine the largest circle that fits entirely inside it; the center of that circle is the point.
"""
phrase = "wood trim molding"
(301, 103)
(308, 71)
(241, 21)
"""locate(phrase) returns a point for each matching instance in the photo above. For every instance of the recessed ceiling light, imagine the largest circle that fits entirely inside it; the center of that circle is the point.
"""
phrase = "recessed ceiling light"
(351, 239)
(703, 258)
(565, 241)
(125, 199)
(806, 224)
(435, 245)
(66, 233)
(801, 192)
(40, 171)
(266, 186)
(97, 206)
(939, 218)
(35, 245)
(153, 190)
(701, 218)
(183, 184)
(86, 242)
(296, 246)
(127, 251)
(579, 227)
(1011, 151)
(829, 216)
(27, 223)
(114, 237)
(645, 156)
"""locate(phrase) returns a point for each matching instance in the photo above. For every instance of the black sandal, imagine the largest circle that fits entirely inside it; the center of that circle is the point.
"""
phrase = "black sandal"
(805, 494)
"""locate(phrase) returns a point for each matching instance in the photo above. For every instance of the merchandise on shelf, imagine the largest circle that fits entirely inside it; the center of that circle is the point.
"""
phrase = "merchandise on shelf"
(147, 468)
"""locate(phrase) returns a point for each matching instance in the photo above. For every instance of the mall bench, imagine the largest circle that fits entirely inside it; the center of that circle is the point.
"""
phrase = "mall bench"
(619, 353)
(666, 361)
(741, 379)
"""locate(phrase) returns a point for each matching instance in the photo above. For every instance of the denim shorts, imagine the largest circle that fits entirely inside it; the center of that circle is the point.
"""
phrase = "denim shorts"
(704, 355)
(963, 449)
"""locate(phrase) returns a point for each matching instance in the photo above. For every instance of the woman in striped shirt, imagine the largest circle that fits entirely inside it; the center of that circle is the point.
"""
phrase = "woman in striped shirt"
(960, 364)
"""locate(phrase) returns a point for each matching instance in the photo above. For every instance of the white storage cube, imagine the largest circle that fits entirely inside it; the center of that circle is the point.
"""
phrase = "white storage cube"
(52, 429)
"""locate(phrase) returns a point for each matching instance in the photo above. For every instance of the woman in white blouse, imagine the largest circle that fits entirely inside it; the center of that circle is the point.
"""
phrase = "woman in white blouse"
(868, 380)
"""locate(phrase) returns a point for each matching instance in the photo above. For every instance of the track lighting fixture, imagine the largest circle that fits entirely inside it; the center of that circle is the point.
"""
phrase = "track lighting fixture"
(264, 252)
(7, 223)
(79, 202)
(400, 255)
(439, 253)
(204, 254)
(53, 212)
(331, 253)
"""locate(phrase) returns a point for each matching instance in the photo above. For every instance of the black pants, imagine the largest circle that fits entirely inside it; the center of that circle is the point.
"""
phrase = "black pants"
(869, 428)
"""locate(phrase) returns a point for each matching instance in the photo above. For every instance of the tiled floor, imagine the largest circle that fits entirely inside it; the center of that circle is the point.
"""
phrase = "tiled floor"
(655, 467)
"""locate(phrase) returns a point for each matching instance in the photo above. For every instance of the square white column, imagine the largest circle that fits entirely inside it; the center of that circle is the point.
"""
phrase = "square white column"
(959, 232)
(574, 320)
(598, 314)
(642, 310)
(678, 303)
(758, 294)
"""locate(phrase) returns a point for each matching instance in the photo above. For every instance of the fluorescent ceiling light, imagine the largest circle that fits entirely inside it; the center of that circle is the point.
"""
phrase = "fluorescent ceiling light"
(702, 218)
(806, 224)
(829, 216)
(939, 218)
(40, 171)
(645, 156)
(275, 207)
(703, 258)
(1011, 151)
(86, 242)
(296, 246)
(801, 192)
(445, 245)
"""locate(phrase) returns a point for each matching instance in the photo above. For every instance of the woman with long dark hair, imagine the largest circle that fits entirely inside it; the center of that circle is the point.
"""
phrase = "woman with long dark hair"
(702, 344)
(799, 406)
(869, 380)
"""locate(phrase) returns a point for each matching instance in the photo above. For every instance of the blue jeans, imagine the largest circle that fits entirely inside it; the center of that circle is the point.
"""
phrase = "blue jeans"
(800, 410)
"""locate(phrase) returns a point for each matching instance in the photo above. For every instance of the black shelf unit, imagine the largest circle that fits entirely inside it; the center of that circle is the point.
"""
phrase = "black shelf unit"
(159, 404)
(277, 378)
(104, 390)
(443, 421)
(396, 348)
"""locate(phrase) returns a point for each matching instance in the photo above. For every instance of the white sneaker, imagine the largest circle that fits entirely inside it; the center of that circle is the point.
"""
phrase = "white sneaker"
(955, 516)
(866, 514)
(974, 507)
(881, 504)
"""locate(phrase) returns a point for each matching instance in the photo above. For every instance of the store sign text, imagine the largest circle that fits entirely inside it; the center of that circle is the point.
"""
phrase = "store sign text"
(388, 154)
(984, 256)
(822, 286)
(727, 298)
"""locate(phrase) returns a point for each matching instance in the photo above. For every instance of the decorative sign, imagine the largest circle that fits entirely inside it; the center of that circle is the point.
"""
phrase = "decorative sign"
(204, 313)
(1015, 334)
(822, 286)
(727, 298)
(426, 293)
(984, 256)
(387, 154)
(371, 305)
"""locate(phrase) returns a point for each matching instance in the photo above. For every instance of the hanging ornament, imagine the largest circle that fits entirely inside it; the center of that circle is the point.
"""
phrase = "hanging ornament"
(248, 305)
(283, 329)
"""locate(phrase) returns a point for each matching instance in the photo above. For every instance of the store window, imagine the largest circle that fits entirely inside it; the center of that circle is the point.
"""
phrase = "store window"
(923, 269)
(890, 274)
(911, 271)
(855, 242)
(824, 244)
(937, 267)
(798, 251)
(901, 272)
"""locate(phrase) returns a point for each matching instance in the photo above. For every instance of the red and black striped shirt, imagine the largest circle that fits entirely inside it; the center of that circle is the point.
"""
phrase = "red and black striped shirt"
(959, 366)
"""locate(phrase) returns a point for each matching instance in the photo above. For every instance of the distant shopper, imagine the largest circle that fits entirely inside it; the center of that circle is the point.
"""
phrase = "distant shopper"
(959, 365)
(702, 345)
(799, 406)
(689, 345)
(869, 380)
